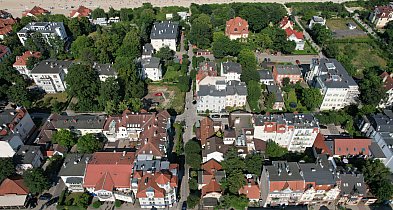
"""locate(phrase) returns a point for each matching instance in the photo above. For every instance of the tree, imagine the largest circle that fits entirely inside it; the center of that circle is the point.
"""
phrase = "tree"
(234, 201)
(184, 83)
(64, 138)
(89, 144)
(270, 98)
(379, 183)
(331, 50)
(192, 200)
(112, 12)
(109, 91)
(234, 181)
(35, 180)
(82, 46)
(371, 87)
(321, 34)
(117, 203)
(223, 46)
(83, 200)
(192, 152)
(98, 13)
(165, 54)
(232, 162)
(248, 61)
(7, 168)
(311, 98)
(31, 62)
(131, 46)
(201, 31)
(126, 14)
(193, 184)
(254, 163)
(275, 150)
(253, 95)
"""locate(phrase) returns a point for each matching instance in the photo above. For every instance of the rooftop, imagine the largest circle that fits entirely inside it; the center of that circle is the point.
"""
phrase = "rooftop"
(232, 88)
(236, 25)
(147, 49)
(288, 70)
(152, 62)
(265, 74)
(13, 187)
(26, 154)
(51, 67)
(42, 27)
(22, 60)
(382, 122)
(74, 164)
(230, 66)
(56, 121)
(164, 30)
(105, 69)
(333, 74)
(276, 91)
(352, 184)
(82, 11)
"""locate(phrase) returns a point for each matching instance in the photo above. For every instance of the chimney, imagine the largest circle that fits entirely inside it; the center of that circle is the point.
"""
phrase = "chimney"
(124, 153)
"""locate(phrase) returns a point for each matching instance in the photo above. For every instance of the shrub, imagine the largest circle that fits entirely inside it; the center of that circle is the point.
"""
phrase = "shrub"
(117, 203)
(96, 204)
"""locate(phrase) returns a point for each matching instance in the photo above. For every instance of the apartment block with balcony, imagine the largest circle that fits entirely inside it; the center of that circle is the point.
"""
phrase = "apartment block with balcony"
(73, 171)
(49, 75)
(231, 71)
(48, 30)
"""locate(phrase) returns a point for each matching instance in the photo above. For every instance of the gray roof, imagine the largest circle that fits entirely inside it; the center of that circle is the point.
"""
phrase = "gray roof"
(333, 74)
(388, 139)
(276, 91)
(317, 19)
(321, 173)
(51, 67)
(376, 151)
(214, 144)
(74, 180)
(164, 30)
(74, 165)
(7, 116)
(105, 69)
(151, 165)
(147, 49)
(297, 120)
(152, 62)
(230, 66)
(26, 154)
(210, 202)
(265, 75)
(283, 171)
(43, 27)
(352, 184)
(382, 122)
(232, 88)
(288, 70)
(56, 121)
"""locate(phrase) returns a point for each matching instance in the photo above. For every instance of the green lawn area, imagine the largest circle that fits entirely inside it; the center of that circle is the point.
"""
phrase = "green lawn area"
(338, 24)
(308, 50)
(177, 100)
(46, 102)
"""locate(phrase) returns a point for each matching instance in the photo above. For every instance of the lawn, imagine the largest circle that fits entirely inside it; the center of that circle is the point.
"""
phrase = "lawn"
(48, 100)
(308, 50)
(338, 24)
(176, 100)
(339, 27)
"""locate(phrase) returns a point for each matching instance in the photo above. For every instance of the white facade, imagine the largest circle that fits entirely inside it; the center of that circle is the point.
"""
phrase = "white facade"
(164, 34)
(232, 72)
(160, 43)
(9, 147)
(214, 155)
(381, 16)
(151, 68)
(51, 83)
(299, 42)
(47, 29)
(316, 20)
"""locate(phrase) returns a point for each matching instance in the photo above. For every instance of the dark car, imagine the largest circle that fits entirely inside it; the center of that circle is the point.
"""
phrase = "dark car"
(184, 206)
(45, 197)
(52, 201)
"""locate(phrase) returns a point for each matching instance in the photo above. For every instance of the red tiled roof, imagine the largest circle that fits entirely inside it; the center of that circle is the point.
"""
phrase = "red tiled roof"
(388, 84)
(6, 25)
(22, 60)
(82, 12)
(320, 146)
(282, 185)
(212, 164)
(13, 186)
(3, 50)
(146, 183)
(260, 145)
(213, 186)
(351, 146)
(383, 11)
(251, 191)
(236, 26)
(206, 129)
(291, 32)
(285, 21)
(35, 11)
(106, 169)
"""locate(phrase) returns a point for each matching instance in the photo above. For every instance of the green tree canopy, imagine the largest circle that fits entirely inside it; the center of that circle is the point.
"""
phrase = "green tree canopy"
(7, 168)
(193, 155)
(275, 150)
(192, 200)
(131, 46)
(371, 87)
(248, 61)
(234, 181)
(98, 13)
(232, 162)
(376, 175)
(109, 91)
(223, 46)
(89, 144)
(35, 180)
(64, 138)
(184, 83)
(254, 94)
(234, 201)
(83, 200)
(311, 98)
(254, 163)
(165, 54)
(201, 31)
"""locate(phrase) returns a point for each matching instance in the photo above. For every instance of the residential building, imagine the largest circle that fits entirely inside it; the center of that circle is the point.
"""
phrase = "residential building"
(6, 26)
(381, 15)
(108, 176)
(73, 171)
(251, 191)
(344, 146)
(293, 72)
(164, 34)
(82, 11)
(105, 71)
(297, 37)
(206, 68)
(21, 62)
(35, 11)
(4, 52)
(100, 21)
(13, 193)
(205, 130)
(387, 80)
(209, 81)
(266, 77)
(278, 95)
(148, 130)
(151, 69)
(236, 28)
(281, 184)
(231, 71)
(337, 87)
(4, 14)
(353, 189)
(209, 179)
(293, 131)
(286, 23)
(316, 20)
(48, 30)
(16, 122)
(147, 51)
(214, 149)
(216, 98)
(49, 75)
(28, 157)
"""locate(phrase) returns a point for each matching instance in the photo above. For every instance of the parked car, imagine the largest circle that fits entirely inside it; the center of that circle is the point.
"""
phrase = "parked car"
(45, 197)
(184, 206)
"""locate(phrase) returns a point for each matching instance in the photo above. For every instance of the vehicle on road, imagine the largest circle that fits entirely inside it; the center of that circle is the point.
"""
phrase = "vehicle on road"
(184, 206)
(45, 197)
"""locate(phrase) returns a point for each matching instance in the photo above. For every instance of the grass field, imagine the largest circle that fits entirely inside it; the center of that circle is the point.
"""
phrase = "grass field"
(338, 24)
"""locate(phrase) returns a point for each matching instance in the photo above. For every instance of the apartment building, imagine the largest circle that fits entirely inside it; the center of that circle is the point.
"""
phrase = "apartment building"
(49, 75)
(353, 189)
(105, 71)
(337, 87)
(48, 30)
(293, 131)
(164, 34)
(236, 28)
(381, 15)
(21, 62)
(151, 69)
(387, 80)
(216, 98)
(73, 171)
(293, 72)
(231, 71)
(28, 157)
(207, 68)
(209, 179)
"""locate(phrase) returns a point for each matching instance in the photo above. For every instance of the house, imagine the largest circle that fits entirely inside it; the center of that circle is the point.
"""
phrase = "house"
(105, 71)
(164, 34)
(293, 72)
(203, 53)
(353, 188)
(49, 75)
(209, 81)
(28, 157)
(316, 20)
(147, 51)
(4, 52)
(251, 191)
(48, 30)
(216, 98)
(101, 21)
(387, 80)
(108, 176)
(381, 15)
(231, 71)
(320, 146)
(293, 131)
(278, 95)
(205, 130)
(73, 171)
(13, 193)
(21, 62)
(281, 184)
(297, 37)
(82, 11)
(286, 23)
(151, 69)
(35, 11)
(209, 179)
(6, 26)
(214, 149)
(343, 146)
(337, 87)
(266, 77)
(236, 28)
(206, 68)
(4, 14)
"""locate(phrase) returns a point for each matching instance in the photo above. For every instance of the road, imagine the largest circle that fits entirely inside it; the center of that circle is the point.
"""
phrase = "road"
(308, 37)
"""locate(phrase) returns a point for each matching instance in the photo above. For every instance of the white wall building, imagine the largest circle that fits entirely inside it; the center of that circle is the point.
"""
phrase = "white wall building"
(316, 20)
(164, 34)
(381, 15)
(387, 80)
(151, 68)
(231, 71)
(73, 171)
(46, 29)
(49, 75)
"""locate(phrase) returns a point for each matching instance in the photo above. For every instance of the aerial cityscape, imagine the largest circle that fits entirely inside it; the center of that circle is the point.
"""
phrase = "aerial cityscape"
(203, 104)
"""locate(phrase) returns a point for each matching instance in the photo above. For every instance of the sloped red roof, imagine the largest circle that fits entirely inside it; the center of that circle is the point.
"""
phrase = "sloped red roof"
(13, 186)
(212, 164)
(388, 84)
(6, 25)
(206, 129)
(35, 11)
(282, 185)
(351, 146)
(213, 186)
(383, 11)
(82, 12)
(320, 146)
(22, 60)
(150, 182)
(236, 26)
(285, 20)
(251, 191)
(297, 34)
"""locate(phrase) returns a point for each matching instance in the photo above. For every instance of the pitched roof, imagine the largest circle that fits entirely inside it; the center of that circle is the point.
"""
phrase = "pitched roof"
(56, 121)
(285, 20)
(164, 30)
(82, 11)
(206, 130)
(27, 154)
(251, 191)
(346, 146)
(320, 145)
(51, 66)
(13, 186)
(291, 32)
(388, 83)
(6, 25)
(35, 11)
(213, 186)
(22, 60)
(215, 144)
(383, 11)
(3, 51)
(211, 165)
(147, 184)
(74, 164)
(236, 26)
